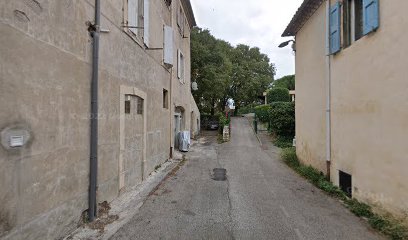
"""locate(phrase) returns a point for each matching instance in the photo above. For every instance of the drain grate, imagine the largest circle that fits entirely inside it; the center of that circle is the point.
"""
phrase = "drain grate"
(220, 174)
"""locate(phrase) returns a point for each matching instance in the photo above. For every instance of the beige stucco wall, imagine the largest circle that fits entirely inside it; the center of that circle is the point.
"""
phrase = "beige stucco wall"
(311, 92)
(369, 102)
(45, 79)
(369, 108)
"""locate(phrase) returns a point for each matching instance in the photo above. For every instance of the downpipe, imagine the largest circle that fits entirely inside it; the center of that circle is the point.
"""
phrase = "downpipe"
(92, 210)
(328, 91)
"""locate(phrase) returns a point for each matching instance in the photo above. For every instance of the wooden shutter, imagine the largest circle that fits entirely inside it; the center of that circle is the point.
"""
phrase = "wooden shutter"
(168, 45)
(146, 35)
(371, 16)
(133, 15)
(335, 19)
(178, 64)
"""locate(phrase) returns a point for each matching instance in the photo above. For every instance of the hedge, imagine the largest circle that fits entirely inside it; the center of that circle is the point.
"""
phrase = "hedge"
(282, 118)
(278, 95)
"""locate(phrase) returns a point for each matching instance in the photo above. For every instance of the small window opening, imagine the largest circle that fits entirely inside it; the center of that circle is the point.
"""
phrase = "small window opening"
(345, 180)
(127, 107)
(140, 105)
(168, 2)
(165, 99)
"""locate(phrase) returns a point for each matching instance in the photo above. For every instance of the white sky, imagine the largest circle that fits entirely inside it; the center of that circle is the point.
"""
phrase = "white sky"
(257, 23)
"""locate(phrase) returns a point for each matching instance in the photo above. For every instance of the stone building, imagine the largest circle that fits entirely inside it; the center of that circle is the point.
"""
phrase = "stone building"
(351, 96)
(45, 91)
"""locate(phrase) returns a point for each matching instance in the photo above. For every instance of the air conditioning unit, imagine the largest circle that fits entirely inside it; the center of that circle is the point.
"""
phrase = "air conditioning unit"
(184, 141)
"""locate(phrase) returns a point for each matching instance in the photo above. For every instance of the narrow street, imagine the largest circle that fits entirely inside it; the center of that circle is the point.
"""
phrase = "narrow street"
(261, 199)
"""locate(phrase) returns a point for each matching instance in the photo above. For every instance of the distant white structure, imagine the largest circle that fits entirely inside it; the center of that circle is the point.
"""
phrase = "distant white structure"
(231, 104)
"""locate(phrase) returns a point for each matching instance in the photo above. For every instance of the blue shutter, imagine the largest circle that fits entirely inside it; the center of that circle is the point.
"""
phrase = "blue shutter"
(371, 19)
(335, 19)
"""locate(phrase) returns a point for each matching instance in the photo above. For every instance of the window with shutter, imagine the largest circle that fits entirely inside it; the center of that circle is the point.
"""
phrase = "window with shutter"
(335, 19)
(146, 22)
(133, 16)
(168, 45)
(370, 16)
(180, 66)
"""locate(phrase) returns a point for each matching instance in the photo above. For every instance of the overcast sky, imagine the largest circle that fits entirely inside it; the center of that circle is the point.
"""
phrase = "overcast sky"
(257, 23)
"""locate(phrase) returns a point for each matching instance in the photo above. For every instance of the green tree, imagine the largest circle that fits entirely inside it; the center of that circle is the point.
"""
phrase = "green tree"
(210, 68)
(223, 71)
(277, 94)
(252, 73)
(287, 82)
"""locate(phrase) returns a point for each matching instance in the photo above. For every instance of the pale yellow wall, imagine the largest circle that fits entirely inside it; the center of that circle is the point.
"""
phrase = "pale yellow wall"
(370, 111)
(369, 90)
(310, 92)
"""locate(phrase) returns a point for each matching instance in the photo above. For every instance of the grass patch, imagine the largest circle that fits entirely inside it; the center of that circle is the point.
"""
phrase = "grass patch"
(387, 225)
(283, 141)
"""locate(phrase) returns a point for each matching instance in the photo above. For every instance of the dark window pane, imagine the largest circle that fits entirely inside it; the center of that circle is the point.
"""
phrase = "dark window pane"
(139, 105)
(358, 19)
(127, 106)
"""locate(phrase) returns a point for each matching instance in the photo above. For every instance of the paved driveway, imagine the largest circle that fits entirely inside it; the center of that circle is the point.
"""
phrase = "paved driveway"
(261, 199)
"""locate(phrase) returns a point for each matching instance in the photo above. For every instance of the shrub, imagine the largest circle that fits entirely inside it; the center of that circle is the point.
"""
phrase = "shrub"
(283, 141)
(278, 94)
(282, 118)
(262, 113)
(246, 109)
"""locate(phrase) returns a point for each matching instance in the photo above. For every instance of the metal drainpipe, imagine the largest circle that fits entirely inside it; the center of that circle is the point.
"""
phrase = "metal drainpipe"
(328, 90)
(94, 116)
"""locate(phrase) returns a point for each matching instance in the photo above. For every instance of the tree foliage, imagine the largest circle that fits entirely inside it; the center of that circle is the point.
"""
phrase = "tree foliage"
(277, 94)
(223, 71)
(287, 82)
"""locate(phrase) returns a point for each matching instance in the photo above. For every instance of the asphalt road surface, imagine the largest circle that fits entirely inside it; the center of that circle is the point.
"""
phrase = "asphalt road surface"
(260, 199)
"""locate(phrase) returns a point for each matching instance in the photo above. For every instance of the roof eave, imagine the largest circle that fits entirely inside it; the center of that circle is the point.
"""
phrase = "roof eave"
(302, 15)
(189, 13)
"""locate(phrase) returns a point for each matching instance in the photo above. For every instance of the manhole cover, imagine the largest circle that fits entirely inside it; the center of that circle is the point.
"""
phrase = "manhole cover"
(220, 174)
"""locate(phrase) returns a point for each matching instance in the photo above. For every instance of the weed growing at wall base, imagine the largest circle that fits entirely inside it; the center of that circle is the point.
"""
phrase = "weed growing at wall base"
(385, 224)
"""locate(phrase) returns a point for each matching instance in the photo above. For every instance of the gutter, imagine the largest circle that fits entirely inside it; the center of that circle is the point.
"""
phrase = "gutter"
(93, 173)
(328, 90)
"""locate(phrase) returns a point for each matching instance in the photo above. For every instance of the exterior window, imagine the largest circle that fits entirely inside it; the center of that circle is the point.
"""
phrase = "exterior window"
(135, 16)
(358, 19)
(138, 19)
(347, 9)
(168, 2)
(165, 99)
(180, 21)
(127, 107)
(180, 66)
(140, 102)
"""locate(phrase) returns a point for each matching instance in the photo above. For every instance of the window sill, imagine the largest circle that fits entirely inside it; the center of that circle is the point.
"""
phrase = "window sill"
(134, 37)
